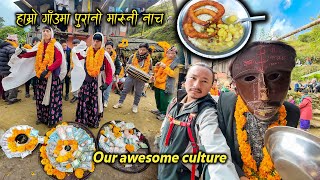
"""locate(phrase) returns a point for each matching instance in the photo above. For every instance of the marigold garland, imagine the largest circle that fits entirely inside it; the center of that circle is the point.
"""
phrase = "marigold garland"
(266, 169)
(42, 63)
(27, 46)
(214, 91)
(13, 43)
(94, 61)
(146, 64)
(79, 173)
(129, 147)
(114, 55)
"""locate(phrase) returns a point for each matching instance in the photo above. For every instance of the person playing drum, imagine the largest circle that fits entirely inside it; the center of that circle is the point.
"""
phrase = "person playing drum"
(141, 60)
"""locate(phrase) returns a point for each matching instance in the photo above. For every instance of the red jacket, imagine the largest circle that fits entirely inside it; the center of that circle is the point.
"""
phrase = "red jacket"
(306, 108)
(57, 57)
(107, 69)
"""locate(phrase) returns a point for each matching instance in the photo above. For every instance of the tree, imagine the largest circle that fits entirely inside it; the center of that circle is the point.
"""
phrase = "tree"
(307, 44)
(4, 31)
(305, 37)
(1, 22)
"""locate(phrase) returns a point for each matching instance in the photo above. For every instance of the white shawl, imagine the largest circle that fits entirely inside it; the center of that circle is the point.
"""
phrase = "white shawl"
(23, 69)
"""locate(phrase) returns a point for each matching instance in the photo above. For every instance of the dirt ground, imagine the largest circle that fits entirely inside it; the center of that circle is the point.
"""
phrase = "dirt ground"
(24, 112)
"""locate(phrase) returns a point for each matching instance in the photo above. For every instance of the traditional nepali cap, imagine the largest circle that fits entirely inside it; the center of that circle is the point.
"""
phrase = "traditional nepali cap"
(13, 37)
(145, 45)
(173, 49)
(97, 37)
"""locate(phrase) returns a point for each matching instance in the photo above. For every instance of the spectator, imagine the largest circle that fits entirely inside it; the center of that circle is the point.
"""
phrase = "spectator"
(7, 49)
(226, 87)
(298, 87)
(291, 100)
(67, 52)
(32, 81)
(317, 88)
(305, 111)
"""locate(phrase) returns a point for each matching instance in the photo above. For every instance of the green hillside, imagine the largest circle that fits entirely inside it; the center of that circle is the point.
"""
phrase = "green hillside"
(156, 32)
(307, 45)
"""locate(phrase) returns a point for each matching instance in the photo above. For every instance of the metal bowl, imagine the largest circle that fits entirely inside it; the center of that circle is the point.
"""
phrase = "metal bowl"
(232, 7)
(295, 153)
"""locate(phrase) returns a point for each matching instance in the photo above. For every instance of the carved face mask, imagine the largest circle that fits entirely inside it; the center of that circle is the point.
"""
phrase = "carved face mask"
(262, 75)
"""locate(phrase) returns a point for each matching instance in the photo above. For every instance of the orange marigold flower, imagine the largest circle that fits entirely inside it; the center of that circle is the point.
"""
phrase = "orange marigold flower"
(61, 175)
(30, 147)
(50, 172)
(45, 161)
(21, 148)
(130, 148)
(116, 129)
(92, 169)
(118, 134)
(47, 167)
(79, 173)
(131, 131)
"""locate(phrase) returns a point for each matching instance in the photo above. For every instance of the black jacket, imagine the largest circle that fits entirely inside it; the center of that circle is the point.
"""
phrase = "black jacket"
(67, 52)
(117, 65)
(226, 108)
(6, 51)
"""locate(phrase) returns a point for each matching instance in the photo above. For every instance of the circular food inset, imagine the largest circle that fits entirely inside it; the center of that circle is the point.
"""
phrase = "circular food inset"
(210, 28)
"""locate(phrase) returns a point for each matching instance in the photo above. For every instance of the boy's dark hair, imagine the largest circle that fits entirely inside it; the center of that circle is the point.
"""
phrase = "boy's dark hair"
(35, 39)
(109, 43)
(62, 41)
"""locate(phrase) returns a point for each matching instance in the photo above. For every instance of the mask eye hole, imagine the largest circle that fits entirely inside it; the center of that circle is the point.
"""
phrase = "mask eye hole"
(249, 78)
(273, 76)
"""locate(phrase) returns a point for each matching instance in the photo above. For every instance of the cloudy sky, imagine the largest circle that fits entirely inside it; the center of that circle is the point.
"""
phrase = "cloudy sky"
(8, 10)
(284, 15)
